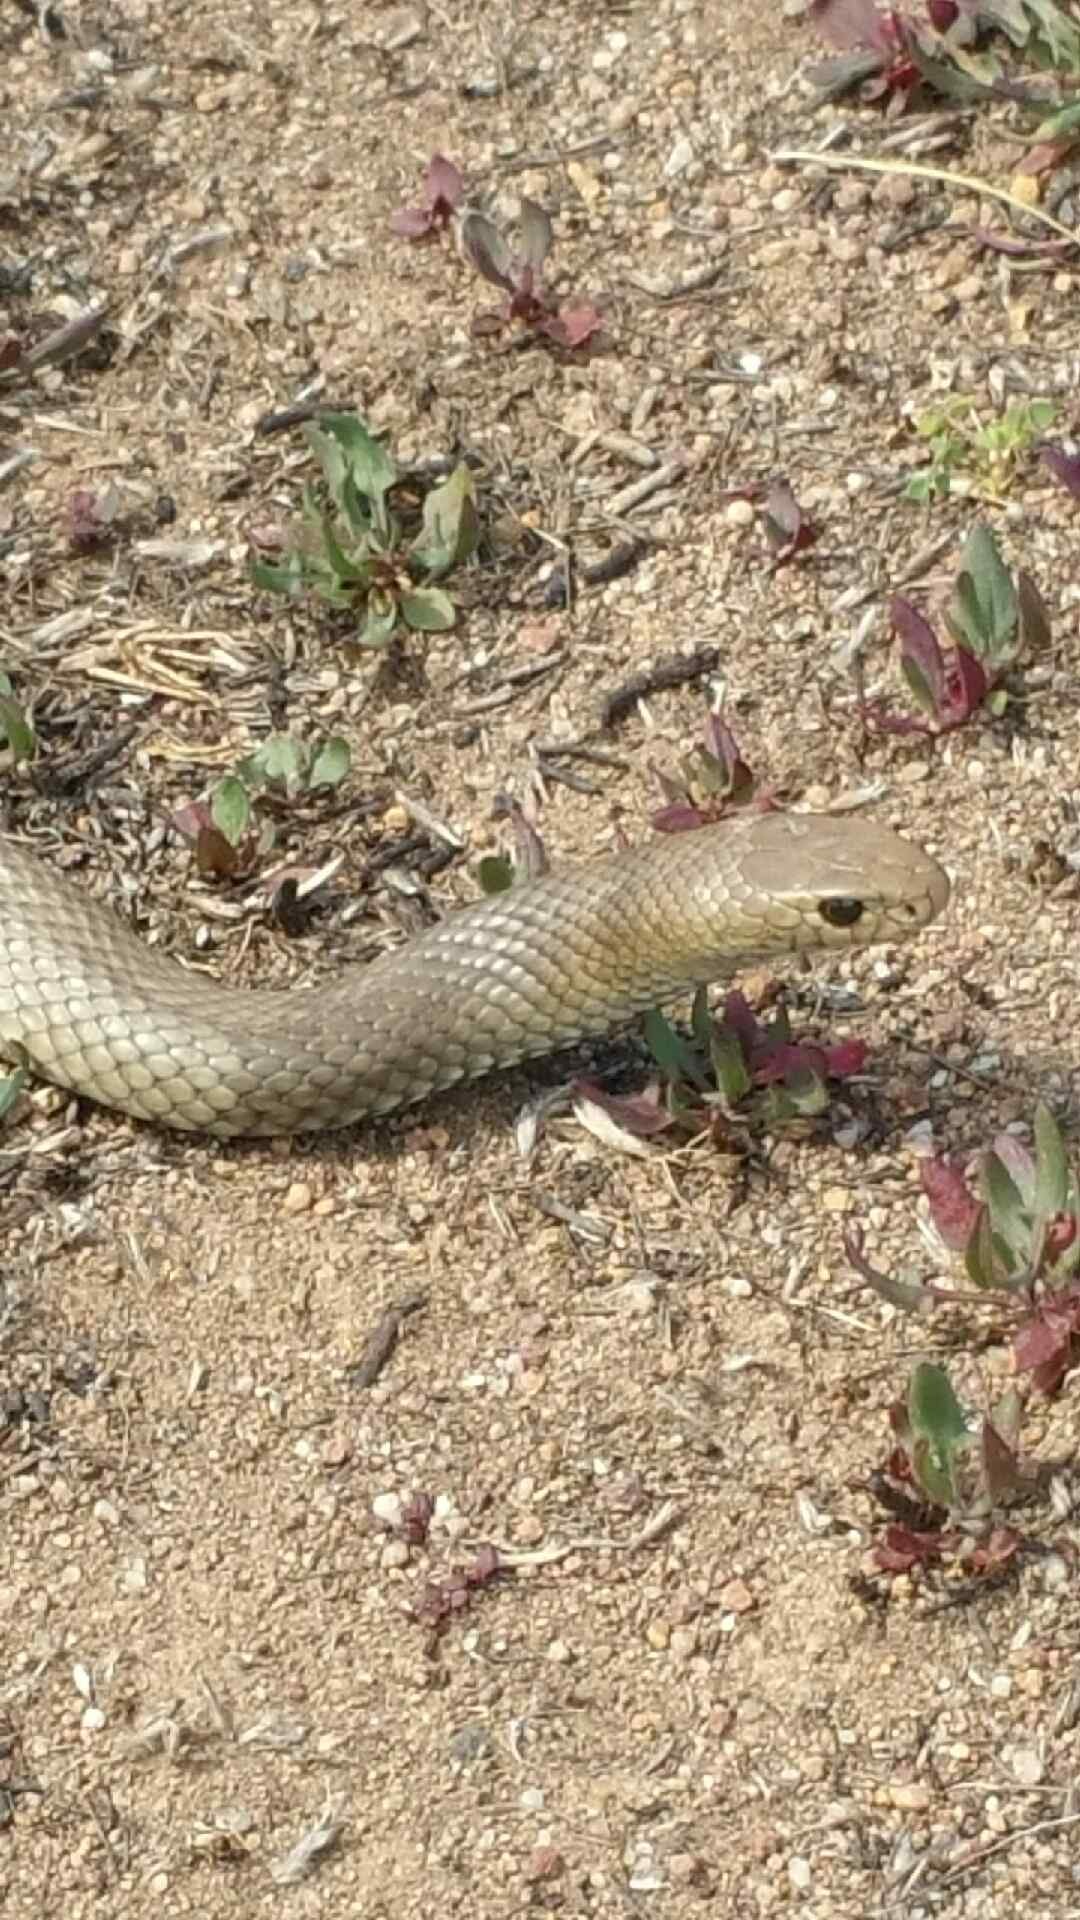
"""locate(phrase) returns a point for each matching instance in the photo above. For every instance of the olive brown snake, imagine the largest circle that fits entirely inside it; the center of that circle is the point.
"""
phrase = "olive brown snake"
(525, 973)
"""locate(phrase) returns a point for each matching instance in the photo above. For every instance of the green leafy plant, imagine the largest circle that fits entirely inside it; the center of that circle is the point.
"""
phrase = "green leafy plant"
(893, 54)
(226, 832)
(733, 1073)
(15, 729)
(948, 1478)
(978, 454)
(1013, 1217)
(353, 550)
(992, 618)
(711, 779)
(526, 302)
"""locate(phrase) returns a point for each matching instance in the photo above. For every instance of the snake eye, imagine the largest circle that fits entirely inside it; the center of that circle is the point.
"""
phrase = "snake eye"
(841, 912)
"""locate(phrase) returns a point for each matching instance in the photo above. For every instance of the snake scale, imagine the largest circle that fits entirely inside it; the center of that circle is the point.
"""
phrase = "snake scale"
(525, 973)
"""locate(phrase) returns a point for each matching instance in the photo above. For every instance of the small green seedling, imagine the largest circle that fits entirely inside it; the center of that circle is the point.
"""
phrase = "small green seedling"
(1016, 1227)
(15, 729)
(992, 619)
(353, 551)
(712, 778)
(227, 834)
(962, 1469)
(974, 455)
(732, 1074)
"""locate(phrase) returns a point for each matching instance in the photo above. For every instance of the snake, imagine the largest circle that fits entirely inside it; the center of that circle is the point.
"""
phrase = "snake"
(546, 965)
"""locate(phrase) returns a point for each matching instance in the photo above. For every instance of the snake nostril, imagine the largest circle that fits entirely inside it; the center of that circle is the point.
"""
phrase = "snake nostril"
(841, 912)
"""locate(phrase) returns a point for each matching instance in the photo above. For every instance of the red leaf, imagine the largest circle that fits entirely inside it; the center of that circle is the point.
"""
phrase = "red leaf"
(739, 1016)
(573, 326)
(846, 1058)
(1060, 1233)
(190, 820)
(1002, 1546)
(443, 186)
(953, 1207)
(411, 223)
(919, 645)
(904, 1548)
(790, 1057)
(786, 529)
(967, 683)
(214, 854)
(851, 23)
(1065, 467)
(680, 818)
(1046, 1339)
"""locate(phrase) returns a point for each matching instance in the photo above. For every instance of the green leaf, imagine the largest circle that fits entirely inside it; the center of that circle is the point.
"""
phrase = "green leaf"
(284, 759)
(918, 685)
(428, 610)
(380, 620)
(288, 578)
(729, 1064)
(922, 487)
(1058, 125)
(701, 1020)
(350, 455)
(230, 809)
(674, 1058)
(938, 1420)
(331, 763)
(1009, 1220)
(14, 726)
(1051, 1166)
(807, 1091)
(1040, 416)
(451, 528)
(1034, 618)
(980, 1262)
(349, 569)
(11, 1086)
(983, 612)
(495, 872)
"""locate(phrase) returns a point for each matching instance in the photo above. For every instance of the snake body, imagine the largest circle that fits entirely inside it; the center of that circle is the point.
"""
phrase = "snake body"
(525, 973)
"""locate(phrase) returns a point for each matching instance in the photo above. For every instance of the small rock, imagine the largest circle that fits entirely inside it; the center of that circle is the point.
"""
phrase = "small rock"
(895, 190)
(298, 1198)
(686, 1869)
(1027, 1765)
(736, 1597)
(560, 1653)
(387, 1508)
(909, 1796)
(799, 1873)
(836, 1200)
(658, 1635)
(739, 513)
(546, 1863)
(682, 153)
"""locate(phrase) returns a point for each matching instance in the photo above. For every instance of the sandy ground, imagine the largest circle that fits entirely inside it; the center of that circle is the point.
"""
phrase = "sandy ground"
(655, 1386)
